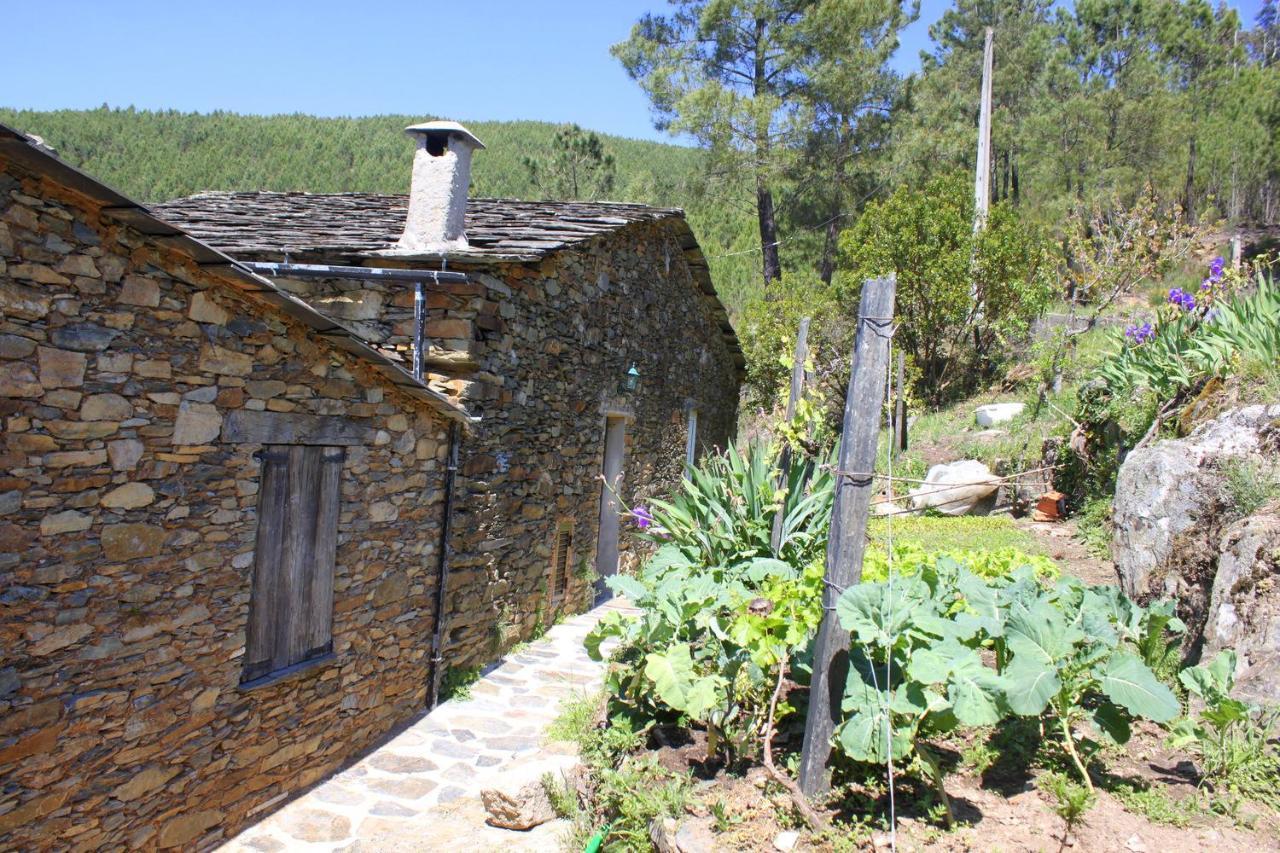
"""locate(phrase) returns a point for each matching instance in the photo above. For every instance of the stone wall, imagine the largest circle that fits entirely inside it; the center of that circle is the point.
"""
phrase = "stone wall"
(127, 534)
(566, 331)
(538, 351)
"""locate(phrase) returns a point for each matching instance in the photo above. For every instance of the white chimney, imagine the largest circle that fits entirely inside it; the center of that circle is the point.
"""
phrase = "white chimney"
(438, 192)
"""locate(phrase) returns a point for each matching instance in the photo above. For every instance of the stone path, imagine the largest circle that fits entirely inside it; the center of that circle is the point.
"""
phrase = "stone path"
(421, 790)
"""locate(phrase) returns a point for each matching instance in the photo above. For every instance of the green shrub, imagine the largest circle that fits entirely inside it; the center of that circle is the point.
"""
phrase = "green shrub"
(457, 682)
(1250, 484)
(945, 272)
(1235, 742)
(1067, 653)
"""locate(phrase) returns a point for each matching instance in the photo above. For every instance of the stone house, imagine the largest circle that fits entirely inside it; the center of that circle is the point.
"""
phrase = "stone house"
(560, 301)
(251, 510)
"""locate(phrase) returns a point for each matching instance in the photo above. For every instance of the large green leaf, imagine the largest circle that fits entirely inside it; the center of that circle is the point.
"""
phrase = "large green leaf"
(1111, 722)
(626, 586)
(976, 692)
(671, 672)
(868, 736)
(1127, 681)
(1031, 678)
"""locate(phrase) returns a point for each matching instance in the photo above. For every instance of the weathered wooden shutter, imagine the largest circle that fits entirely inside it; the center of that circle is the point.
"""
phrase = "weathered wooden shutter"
(291, 610)
(561, 564)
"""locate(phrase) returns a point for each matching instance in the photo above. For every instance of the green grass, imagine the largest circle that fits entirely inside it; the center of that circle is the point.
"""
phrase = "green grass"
(966, 532)
(576, 719)
(1156, 805)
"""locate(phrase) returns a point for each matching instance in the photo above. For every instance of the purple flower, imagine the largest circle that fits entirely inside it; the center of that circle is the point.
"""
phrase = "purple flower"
(1184, 300)
(642, 517)
(1215, 268)
(1139, 334)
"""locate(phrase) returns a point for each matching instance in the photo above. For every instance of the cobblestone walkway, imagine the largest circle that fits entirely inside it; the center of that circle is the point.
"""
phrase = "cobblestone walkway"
(421, 791)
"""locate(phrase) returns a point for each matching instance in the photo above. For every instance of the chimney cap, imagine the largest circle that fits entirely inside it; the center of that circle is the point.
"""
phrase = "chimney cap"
(451, 127)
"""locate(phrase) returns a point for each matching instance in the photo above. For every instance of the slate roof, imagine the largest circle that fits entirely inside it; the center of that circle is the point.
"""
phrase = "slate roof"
(360, 223)
(351, 226)
(28, 153)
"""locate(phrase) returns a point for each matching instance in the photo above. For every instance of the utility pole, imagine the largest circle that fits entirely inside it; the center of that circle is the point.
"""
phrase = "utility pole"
(982, 179)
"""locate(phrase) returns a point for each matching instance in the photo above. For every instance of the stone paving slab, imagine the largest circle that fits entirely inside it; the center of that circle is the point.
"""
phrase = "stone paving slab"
(421, 790)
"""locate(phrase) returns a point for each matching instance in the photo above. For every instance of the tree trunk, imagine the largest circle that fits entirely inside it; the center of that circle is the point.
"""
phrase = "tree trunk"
(1188, 196)
(768, 232)
(1013, 179)
(831, 246)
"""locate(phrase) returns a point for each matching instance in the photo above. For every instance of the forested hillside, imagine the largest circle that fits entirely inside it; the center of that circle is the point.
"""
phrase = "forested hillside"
(154, 156)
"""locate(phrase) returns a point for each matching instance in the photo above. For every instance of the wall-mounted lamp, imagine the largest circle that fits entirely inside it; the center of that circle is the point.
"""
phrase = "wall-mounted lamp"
(630, 380)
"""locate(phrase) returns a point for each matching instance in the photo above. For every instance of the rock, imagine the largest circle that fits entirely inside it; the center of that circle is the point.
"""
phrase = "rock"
(129, 496)
(528, 807)
(692, 835)
(68, 521)
(186, 827)
(972, 489)
(130, 541)
(785, 841)
(1170, 491)
(61, 368)
(197, 423)
(83, 337)
(22, 302)
(124, 454)
(1244, 605)
(61, 638)
(215, 359)
(19, 380)
(16, 346)
(137, 290)
(205, 310)
(105, 407)
(997, 413)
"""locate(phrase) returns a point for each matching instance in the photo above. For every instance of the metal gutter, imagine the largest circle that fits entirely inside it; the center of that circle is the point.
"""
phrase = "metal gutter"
(287, 270)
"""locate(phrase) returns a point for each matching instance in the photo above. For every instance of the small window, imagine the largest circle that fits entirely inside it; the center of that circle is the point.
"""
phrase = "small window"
(691, 441)
(291, 605)
(561, 561)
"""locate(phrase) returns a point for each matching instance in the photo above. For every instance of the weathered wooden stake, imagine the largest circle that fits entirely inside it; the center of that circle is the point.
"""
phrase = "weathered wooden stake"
(900, 408)
(797, 388)
(1237, 251)
(847, 542)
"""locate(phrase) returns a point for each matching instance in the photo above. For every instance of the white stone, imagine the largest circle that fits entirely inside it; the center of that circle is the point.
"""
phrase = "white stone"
(959, 488)
(786, 840)
(997, 413)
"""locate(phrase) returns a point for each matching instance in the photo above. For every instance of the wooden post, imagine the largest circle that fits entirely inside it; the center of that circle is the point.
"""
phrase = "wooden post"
(982, 175)
(858, 438)
(1237, 251)
(797, 388)
(900, 408)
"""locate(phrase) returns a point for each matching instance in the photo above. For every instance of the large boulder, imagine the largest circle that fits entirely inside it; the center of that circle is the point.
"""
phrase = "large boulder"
(959, 488)
(1244, 606)
(1169, 512)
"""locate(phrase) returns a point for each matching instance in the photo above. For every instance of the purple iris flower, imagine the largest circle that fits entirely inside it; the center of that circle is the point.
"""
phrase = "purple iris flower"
(642, 517)
(1215, 268)
(1184, 300)
(1140, 334)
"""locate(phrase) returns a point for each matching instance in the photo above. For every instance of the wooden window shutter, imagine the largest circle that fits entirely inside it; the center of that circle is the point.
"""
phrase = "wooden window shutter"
(560, 564)
(291, 608)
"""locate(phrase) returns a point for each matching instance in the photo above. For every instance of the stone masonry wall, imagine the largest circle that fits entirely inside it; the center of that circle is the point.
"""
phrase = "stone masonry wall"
(127, 535)
(568, 329)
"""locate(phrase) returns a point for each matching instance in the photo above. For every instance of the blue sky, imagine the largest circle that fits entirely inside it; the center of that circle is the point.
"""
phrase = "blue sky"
(466, 59)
